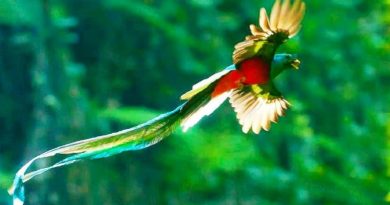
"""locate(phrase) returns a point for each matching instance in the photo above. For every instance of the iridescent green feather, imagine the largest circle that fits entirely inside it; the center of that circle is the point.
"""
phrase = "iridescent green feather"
(135, 138)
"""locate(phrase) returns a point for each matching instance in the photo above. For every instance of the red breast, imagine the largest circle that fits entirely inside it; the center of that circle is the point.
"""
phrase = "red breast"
(255, 70)
(251, 71)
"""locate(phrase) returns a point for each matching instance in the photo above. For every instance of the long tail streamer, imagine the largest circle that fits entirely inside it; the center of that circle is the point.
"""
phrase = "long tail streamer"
(135, 138)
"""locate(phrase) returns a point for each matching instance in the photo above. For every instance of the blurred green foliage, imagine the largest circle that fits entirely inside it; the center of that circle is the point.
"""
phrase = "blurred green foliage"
(73, 69)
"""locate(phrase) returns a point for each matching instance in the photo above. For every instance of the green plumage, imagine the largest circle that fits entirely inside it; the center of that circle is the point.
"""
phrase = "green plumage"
(136, 138)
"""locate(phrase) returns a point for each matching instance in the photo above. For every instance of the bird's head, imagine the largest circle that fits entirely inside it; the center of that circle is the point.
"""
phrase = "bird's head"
(282, 62)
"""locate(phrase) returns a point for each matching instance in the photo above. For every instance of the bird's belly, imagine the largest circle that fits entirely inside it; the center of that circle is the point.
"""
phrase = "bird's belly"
(228, 82)
(255, 71)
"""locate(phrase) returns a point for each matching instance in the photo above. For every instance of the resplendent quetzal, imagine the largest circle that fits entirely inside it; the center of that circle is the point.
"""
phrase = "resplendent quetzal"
(248, 84)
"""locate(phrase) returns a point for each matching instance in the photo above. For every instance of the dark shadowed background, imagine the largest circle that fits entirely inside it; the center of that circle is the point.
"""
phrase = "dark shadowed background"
(74, 69)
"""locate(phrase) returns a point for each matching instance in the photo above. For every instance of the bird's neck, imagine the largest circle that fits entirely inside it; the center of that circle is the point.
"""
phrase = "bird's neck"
(277, 69)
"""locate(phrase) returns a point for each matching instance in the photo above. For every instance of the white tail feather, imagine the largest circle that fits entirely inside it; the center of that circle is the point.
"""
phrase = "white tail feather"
(205, 110)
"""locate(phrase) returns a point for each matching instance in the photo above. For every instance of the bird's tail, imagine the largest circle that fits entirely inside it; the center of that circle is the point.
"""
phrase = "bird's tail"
(136, 138)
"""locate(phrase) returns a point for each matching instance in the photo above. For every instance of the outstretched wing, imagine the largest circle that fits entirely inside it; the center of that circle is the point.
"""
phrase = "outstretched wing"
(257, 106)
(283, 24)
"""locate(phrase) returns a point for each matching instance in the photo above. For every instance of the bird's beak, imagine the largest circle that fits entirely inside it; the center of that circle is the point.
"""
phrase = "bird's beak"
(295, 64)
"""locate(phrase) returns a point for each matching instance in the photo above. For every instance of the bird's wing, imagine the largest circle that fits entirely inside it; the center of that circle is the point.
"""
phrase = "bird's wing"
(201, 93)
(284, 23)
(257, 106)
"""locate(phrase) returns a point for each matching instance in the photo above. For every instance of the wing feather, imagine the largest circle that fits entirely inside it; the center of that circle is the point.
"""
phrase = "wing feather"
(264, 21)
(275, 15)
(284, 12)
(284, 23)
(256, 110)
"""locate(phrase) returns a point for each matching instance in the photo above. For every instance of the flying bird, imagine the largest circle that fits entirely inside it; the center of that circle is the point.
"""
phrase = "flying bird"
(248, 84)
